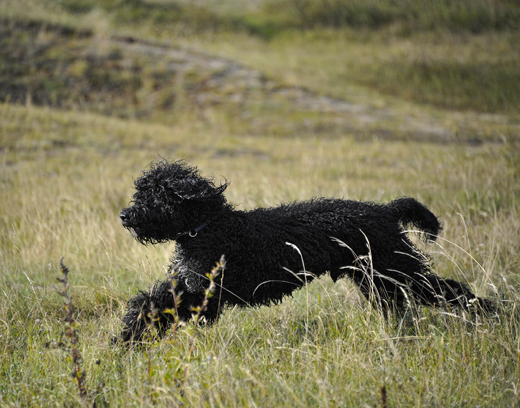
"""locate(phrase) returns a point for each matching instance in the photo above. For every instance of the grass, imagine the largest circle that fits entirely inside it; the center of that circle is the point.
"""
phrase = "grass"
(65, 195)
(67, 164)
(474, 16)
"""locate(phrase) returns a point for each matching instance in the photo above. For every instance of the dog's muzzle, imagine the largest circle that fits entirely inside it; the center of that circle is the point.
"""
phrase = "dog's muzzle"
(124, 218)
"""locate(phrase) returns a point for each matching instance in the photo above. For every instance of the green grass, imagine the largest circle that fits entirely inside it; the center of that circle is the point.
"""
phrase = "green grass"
(475, 16)
(83, 112)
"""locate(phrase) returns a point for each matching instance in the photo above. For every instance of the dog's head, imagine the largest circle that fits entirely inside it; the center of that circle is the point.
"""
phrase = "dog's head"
(171, 199)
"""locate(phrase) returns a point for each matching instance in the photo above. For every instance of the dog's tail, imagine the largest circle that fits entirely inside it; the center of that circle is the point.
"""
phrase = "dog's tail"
(410, 211)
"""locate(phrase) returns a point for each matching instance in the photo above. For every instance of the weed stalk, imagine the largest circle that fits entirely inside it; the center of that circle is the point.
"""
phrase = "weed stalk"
(71, 336)
(208, 293)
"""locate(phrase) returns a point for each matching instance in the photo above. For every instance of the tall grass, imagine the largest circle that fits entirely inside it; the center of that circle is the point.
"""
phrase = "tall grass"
(68, 174)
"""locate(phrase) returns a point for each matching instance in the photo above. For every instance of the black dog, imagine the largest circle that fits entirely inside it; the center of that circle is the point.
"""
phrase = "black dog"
(270, 252)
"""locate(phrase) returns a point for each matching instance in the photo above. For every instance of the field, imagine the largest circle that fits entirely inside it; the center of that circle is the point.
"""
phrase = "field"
(287, 100)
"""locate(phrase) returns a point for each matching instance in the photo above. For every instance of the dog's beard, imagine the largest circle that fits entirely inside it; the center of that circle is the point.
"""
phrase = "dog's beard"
(138, 237)
(134, 233)
(145, 239)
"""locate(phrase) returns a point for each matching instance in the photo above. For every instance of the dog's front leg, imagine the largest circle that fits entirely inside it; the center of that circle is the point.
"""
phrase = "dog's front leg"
(150, 312)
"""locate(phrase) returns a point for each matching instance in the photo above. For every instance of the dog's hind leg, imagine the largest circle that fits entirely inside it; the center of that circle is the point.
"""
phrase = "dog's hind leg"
(432, 290)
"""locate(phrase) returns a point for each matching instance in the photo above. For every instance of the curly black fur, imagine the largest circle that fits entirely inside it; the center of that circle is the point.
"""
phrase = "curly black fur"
(265, 248)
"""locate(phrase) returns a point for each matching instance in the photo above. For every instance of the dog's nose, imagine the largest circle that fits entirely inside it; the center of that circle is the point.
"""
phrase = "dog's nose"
(123, 216)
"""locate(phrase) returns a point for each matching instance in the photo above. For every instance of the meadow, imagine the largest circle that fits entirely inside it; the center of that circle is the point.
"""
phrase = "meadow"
(360, 100)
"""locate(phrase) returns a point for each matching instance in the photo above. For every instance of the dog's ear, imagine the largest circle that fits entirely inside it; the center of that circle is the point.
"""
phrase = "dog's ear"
(186, 183)
(197, 189)
(178, 181)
